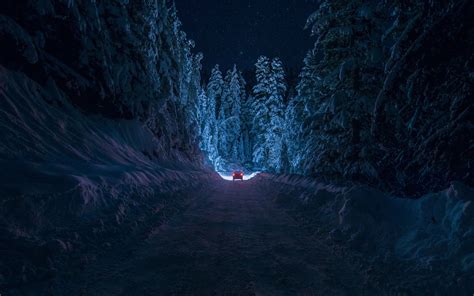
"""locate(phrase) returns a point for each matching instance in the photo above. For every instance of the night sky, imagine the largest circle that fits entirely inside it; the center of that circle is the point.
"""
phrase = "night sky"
(239, 31)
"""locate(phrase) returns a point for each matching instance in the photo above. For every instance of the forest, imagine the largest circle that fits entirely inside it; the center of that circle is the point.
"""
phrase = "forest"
(380, 100)
(115, 138)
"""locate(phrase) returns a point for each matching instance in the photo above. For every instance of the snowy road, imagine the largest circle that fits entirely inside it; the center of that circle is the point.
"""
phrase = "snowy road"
(231, 240)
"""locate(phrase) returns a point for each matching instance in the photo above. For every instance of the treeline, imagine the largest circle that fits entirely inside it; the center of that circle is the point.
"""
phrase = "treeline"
(239, 128)
(385, 98)
(114, 58)
(387, 92)
(224, 111)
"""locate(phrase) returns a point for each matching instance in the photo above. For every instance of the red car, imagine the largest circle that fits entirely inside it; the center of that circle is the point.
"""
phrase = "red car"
(237, 175)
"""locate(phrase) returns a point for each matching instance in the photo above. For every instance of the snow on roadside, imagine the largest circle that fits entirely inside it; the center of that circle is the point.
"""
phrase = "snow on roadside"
(45, 140)
(434, 232)
(71, 182)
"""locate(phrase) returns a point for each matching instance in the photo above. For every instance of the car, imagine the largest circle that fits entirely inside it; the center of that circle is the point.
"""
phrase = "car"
(237, 175)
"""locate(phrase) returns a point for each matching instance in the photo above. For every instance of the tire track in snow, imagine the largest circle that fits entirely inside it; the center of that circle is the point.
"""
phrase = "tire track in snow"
(231, 240)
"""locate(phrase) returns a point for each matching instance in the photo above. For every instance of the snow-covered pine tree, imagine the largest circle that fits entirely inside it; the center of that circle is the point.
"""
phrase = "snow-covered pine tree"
(211, 130)
(223, 144)
(293, 137)
(276, 119)
(225, 108)
(207, 125)
(285, 165)
(233, 123)
(215, 88)
(338, 84)
(243, 87)
(193, 90)
(268, 116)
(210, 127)
(245, 120)
(176, 88)
(202, 112)
(421, 116)
(261, 92)
(226, 103)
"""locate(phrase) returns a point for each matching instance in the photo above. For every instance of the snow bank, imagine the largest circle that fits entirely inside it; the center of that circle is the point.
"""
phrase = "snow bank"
(72, 182)
(443, 228)
(59, 138)
(435, 232)
(50, 147)
(438, 226)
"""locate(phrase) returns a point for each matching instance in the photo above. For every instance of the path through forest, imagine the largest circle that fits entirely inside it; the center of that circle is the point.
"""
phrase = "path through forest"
(231, 240)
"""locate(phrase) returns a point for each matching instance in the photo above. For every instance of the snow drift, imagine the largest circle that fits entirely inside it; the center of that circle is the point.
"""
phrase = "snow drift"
(69, 181)
(98, 129)
(430, 239)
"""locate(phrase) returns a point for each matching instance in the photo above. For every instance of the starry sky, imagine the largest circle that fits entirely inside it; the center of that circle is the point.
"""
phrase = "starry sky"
(231, 32)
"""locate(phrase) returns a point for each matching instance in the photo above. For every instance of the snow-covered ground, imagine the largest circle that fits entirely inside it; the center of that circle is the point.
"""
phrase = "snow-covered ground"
(73, 184)
(419, 246)
(288, 236)
(75, 189)
(231, 240)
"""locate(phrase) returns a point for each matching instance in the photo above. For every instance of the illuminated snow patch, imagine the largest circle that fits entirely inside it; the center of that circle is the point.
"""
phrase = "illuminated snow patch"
(228, 177)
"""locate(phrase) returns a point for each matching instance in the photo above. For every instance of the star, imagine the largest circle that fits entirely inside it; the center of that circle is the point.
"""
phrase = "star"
(251, 28)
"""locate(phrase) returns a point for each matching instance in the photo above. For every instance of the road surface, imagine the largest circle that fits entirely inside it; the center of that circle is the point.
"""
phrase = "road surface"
(232, 239)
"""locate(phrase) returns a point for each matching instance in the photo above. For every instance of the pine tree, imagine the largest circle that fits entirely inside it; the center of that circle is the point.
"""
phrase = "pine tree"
(230, 112)
(223, 145)
(215, 88)
(338, 84)
(261, 92)
(243, 87)
(202, 112)
(211, 128)
(268, 120)
(285, 165)
(245, 121)
(293, 136)
(214, 92)
(274, 103)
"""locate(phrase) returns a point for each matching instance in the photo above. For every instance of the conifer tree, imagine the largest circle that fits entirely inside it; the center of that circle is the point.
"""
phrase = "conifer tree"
(338, 84)
(245, 121)
(275, 107)
(268, 106)
(261, 92)
(215, 88)
(233, 125)
(293, 136)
